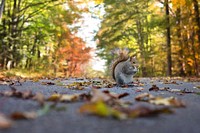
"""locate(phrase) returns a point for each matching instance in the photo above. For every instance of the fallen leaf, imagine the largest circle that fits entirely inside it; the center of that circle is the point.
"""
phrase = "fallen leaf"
(5, 122)
(69, 98)
(19, 94)
(63, 97)
(85, 96)
(170, 82)
(198, 87)
(98, 95)
(23, 115)
(27, 94)
(78, 85)
(115, 95)
(39, 97)
(54, 97)
(154, 88)
(4, 83)
(47, 83)
(100, 108)
(169, 101)
(144, 97)
(141, 110)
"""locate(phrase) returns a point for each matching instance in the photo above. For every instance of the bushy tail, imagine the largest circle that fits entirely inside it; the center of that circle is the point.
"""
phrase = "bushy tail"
(122, 56)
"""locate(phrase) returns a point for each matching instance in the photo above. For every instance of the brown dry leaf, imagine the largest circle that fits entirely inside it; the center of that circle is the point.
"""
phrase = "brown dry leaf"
(47, 83)
(7, 93)
(154, 88)
(98, 95)
(69, 98)
(168, 101)
(170, 82)
(115, 95)
(23, 115)
(5, 122)
(78, 85)
(12, 93)
(141, 110)
(184, 91)
(144, 97)
(85, 96)
(39, 97)
(19, 94)
(27, 94)
(102, 109)
(4, 83)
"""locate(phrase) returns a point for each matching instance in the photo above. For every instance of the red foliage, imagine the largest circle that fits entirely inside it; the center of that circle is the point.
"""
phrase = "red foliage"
(73, 55)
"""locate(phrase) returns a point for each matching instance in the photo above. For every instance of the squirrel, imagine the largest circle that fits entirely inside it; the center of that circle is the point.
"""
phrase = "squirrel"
(124, 68)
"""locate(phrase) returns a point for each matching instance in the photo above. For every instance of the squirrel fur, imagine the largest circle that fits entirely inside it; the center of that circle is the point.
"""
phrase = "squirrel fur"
(124, 68)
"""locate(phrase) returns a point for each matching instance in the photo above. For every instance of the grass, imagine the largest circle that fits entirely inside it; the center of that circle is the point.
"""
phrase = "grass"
(25, 73)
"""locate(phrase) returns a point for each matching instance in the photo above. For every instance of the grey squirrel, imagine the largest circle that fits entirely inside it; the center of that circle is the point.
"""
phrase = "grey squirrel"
(124, 68)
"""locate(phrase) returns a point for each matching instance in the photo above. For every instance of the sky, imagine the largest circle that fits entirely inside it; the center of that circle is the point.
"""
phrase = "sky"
(89, 26)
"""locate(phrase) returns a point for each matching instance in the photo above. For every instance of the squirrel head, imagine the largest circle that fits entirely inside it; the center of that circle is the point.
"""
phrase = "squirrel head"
(133, 61)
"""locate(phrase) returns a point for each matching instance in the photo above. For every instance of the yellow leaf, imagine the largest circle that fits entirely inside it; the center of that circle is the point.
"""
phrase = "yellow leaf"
(68, 98)
(98, 108)
(101, 109)
(54, 97)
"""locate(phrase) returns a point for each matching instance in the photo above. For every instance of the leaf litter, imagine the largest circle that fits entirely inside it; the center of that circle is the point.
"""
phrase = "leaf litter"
(101, 103)
(105, 105)
(158, 100)
(184, 91)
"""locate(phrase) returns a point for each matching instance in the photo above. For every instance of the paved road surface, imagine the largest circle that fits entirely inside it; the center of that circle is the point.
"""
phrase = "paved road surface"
(184, 120)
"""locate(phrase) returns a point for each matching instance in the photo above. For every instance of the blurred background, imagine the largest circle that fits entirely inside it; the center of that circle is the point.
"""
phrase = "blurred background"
(76, 38)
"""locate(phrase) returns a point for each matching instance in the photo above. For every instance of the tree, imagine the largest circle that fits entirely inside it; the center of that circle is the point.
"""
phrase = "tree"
(32, 32)
(168, 39)
(163, 34)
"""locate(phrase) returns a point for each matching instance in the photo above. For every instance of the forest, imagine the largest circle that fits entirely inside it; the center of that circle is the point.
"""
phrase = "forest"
(41, 36)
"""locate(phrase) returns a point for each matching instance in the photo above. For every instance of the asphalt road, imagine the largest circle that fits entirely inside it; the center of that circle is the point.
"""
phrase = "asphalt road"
(183, 120)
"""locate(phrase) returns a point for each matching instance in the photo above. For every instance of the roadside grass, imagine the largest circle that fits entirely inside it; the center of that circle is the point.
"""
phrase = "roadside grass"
(27, 73)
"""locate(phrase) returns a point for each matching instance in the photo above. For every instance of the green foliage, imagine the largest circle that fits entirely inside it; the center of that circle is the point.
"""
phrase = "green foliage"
(141, 27)
(32, 31)
(132, 25)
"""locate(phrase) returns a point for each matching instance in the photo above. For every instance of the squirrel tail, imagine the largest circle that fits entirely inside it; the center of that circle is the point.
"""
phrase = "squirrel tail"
(122, 56)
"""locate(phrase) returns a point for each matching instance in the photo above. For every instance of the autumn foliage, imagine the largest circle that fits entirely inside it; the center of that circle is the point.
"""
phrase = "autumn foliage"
(73, 55)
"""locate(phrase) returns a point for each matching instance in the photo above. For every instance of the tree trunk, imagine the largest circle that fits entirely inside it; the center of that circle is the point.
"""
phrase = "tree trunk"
(197, 20)
(141, 47)
(180, 52)
(168, 39)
